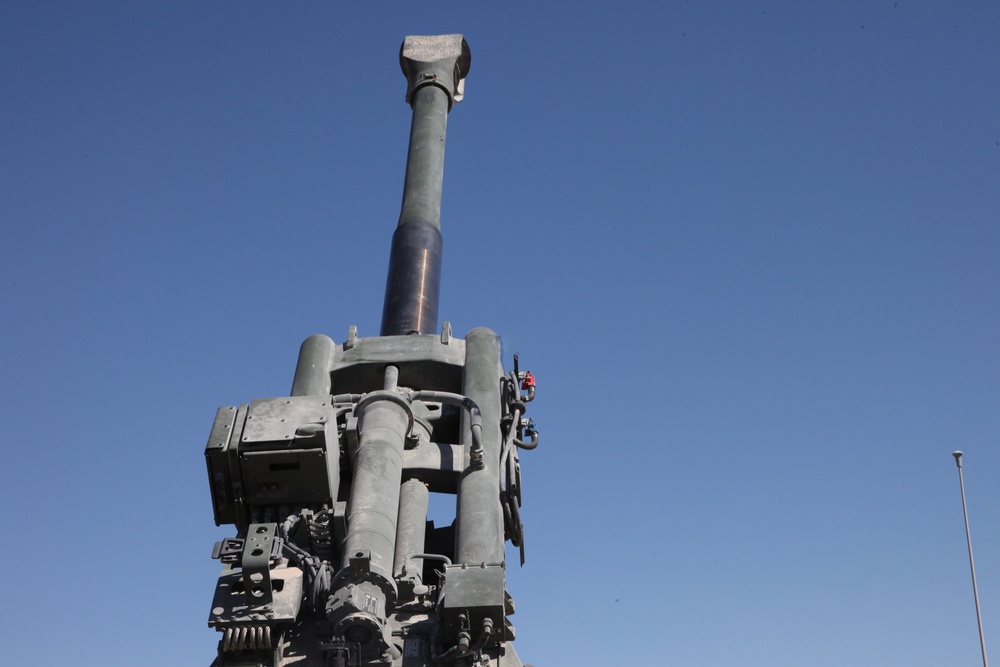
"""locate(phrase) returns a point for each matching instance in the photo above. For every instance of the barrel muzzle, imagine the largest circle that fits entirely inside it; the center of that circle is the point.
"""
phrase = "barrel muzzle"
(435, 60)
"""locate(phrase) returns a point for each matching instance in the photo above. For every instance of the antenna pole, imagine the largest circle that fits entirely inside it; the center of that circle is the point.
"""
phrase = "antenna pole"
(972, 564)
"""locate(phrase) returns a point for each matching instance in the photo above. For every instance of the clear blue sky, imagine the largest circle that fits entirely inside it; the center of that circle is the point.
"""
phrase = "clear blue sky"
(750, 249)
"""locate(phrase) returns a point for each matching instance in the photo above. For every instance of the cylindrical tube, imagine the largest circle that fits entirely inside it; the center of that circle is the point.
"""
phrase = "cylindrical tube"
(425, 158)
(378, 466)
(413, 283)
(414, 499)
(480, 516)
(312, 372)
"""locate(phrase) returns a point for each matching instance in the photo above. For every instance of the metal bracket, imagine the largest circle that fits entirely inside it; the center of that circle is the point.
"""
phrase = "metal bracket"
(229, 550)
(260, 546)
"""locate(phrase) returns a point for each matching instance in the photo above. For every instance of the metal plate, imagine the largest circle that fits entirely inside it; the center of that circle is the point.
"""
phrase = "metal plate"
(276, 419)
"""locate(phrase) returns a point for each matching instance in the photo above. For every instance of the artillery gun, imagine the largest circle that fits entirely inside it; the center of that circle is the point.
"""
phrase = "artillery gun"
(335, 562)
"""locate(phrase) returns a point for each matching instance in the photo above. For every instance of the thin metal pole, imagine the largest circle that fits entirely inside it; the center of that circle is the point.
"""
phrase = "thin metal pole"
(972, 564)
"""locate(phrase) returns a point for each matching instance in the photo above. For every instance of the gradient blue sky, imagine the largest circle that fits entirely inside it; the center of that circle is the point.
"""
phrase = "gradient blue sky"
(750, 249)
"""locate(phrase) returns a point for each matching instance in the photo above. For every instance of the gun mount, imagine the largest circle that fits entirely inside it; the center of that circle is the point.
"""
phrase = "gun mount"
(335, 563)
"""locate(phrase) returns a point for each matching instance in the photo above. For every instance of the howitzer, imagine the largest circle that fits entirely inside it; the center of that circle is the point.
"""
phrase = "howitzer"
(335, 562)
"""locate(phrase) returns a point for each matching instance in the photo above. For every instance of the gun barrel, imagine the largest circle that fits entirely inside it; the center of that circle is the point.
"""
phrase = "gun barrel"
(435, 69)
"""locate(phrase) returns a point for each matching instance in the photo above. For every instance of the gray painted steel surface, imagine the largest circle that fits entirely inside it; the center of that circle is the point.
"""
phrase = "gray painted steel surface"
(312, 373)
(414, 498)
(480, 517)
